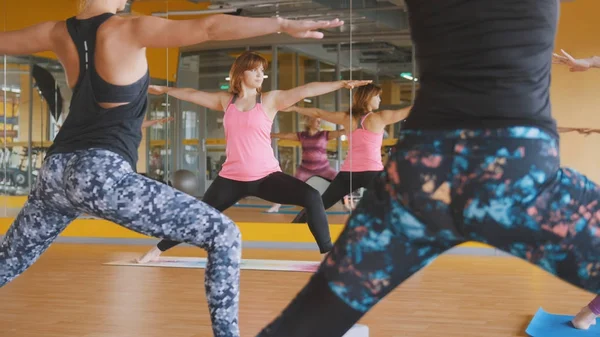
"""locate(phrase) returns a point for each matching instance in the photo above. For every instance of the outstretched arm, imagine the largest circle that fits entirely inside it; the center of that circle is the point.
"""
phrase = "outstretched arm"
(155, 32)
(394, 116)
(146, 124)
(333, 117)
(288, 136)
(335, 134)
(576, 64)
(211, 100)
(280, 99)
(33, 39)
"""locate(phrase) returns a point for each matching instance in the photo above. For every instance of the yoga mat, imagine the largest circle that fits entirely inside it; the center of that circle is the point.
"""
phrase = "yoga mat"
(545, 324)
(259, 206)
(358, 330)
(247, 264)
(296, 212)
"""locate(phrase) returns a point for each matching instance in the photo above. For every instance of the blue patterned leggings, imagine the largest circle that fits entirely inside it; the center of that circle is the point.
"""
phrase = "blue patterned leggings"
(502, 187)
(101, 183)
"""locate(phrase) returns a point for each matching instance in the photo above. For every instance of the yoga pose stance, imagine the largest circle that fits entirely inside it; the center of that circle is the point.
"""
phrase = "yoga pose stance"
(477, 160)
(587, 315)
(251, 168)
(363, 161)
(89, 167)
(314, 151)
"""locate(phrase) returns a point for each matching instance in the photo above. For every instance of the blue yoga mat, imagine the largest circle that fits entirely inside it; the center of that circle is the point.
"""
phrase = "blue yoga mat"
(259, 206)
(296, 212)
(545, 324)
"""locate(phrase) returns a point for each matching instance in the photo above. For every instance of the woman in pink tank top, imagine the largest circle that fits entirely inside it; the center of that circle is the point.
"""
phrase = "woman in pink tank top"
(314, 151)
(364, 153)
(251, 168)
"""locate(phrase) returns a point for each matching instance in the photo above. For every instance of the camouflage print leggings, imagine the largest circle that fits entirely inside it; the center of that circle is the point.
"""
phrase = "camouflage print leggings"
(502, 187)
(102, 184)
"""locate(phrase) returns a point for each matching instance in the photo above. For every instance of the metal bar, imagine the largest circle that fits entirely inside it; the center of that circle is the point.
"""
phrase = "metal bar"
(338, 106)
(297, 84)
(350, 103)
(414, 74)
(30, 137)
(274, 86)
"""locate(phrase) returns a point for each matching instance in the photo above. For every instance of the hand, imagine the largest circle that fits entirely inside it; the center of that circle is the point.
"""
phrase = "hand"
(568, 60)
(305, 28)
(355, 83)
(163, 120)
(157, 89)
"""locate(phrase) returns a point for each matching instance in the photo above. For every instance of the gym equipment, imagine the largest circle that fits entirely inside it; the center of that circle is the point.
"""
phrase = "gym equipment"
(185, 181)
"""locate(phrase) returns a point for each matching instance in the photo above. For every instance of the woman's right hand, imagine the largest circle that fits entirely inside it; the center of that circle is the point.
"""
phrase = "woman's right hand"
(306, 28)
(573, 63)
(157, 89)
(355, 83)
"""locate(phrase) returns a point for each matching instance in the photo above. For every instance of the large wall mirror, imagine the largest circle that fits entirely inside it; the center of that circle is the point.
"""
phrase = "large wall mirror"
(374, 44)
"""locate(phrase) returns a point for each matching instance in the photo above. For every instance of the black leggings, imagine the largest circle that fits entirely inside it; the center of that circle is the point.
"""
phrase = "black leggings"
(277, 187)
(338, 188)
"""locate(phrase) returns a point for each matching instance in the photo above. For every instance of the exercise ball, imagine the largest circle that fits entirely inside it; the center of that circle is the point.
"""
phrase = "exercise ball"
(185, 181)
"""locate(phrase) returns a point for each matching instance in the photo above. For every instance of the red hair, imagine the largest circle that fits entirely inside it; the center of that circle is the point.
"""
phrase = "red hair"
(246, 61)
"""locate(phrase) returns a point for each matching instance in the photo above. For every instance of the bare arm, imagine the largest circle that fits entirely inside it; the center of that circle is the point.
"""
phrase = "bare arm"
(30, 40)
(288, 136)
(594, 61)
(335, 134)
(155, 32)
(333, 117)
(394, 116)
(211, 100)
(146, 124)
(280, 99)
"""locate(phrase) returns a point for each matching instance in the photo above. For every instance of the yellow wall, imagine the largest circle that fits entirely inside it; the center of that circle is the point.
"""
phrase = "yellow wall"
(575, 97)
(19, 14)
(24, 13)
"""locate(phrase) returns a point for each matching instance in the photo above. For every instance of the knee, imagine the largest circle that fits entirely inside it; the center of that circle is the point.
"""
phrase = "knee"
(229, 234)
(312, 197)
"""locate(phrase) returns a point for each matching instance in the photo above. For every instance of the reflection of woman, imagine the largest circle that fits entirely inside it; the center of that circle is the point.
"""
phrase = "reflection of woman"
(363, 161)
(251, 168)
(314, 160)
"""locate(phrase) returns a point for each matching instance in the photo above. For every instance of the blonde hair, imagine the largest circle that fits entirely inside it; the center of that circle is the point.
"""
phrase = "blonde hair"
(246, 61)
(307, 120)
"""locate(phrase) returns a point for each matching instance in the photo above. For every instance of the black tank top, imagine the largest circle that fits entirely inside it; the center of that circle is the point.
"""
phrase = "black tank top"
(89, 125)
(482, 63)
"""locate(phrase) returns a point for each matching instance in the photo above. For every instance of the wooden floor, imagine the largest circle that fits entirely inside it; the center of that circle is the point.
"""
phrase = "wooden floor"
(245, 214)
(69, 293)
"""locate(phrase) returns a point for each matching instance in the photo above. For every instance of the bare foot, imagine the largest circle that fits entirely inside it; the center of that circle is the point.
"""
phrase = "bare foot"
(584, 319)
(151, 256)
(274, 208)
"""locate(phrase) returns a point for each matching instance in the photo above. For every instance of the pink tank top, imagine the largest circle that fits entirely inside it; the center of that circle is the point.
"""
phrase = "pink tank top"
(248, 150)
(364, 153)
